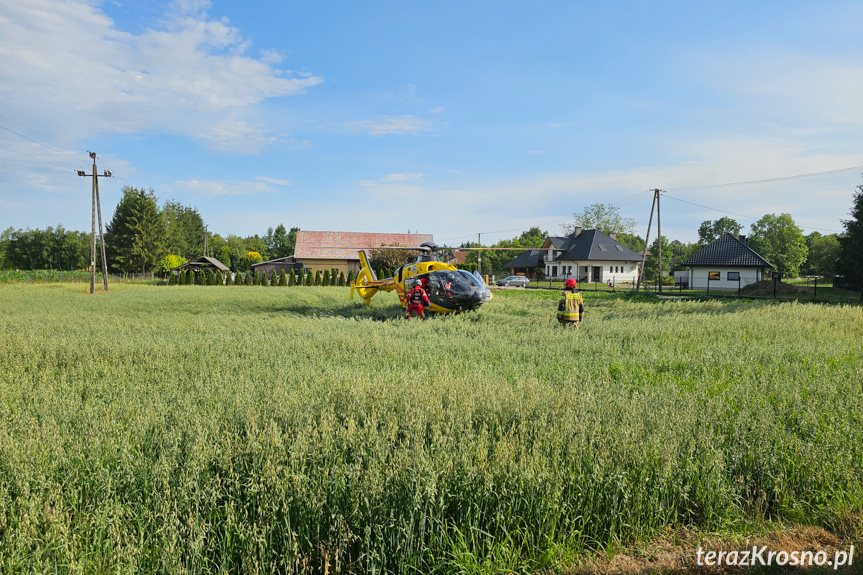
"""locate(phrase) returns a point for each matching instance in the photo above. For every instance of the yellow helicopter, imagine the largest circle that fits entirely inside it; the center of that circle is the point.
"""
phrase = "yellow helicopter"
(449, 289)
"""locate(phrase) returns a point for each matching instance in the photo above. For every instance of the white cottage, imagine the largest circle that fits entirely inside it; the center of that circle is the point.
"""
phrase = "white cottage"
(726, 264)
(586, 255)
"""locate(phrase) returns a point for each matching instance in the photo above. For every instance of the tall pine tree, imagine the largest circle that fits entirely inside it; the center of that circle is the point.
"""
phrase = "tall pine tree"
(134, 238)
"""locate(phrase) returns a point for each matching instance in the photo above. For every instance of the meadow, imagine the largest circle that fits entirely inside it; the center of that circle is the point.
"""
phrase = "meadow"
(191, 429)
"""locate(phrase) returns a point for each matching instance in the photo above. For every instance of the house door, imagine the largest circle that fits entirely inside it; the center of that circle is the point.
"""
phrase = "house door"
(597, 274)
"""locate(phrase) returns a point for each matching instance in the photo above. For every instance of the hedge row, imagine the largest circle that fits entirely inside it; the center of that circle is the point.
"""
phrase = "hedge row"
(208, 277)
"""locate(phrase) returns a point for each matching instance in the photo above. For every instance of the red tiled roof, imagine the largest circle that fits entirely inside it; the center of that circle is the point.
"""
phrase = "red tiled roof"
(460, 256)
(344, 245)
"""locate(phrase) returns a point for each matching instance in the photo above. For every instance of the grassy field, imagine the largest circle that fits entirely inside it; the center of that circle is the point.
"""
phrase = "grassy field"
(248, 429)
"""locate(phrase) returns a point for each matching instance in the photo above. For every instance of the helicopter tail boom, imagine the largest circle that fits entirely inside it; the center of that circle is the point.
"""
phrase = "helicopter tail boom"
(367, 283)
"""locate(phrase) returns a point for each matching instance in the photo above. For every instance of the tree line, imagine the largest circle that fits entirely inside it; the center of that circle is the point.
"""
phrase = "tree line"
(777, 238)
(142, 237)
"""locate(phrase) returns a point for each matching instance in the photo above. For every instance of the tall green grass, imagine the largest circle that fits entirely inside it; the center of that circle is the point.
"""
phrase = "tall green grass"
(212, 430)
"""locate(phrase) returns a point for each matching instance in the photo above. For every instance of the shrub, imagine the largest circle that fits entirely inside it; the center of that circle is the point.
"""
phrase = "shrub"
(350, 276)
(274, 279)
(342, 282)
(292, 278)
(247, 279)
(172, 279)
(283, 279)
(318, 278)
(220, 280)
(325, 279)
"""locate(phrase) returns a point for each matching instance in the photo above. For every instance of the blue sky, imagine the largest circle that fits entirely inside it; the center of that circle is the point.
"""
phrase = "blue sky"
(449, 118)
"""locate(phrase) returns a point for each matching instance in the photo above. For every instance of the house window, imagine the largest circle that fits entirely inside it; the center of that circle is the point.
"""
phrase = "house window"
(733, 276)
(712, 276)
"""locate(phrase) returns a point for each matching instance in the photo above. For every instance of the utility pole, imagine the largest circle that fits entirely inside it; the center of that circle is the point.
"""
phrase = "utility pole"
(659, 235)
(96, 208)
(478, 255)
(206, 238)
(653, 204)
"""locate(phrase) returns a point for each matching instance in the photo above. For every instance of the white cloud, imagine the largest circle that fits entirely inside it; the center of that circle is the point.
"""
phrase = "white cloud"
(391, 125)
(66, 65)
(219, 188)
(802, 90)
(275, 181)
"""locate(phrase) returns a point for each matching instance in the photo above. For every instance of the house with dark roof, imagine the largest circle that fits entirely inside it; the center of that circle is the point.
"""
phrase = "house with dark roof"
(279, 265)
(320, 251)
(201, 264)
(727, 263)
(586, 255)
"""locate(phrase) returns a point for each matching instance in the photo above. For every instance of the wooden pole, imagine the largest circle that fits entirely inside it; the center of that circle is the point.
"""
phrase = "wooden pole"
(101, 230)
(659, 234)
(646, 242)
(93, 231)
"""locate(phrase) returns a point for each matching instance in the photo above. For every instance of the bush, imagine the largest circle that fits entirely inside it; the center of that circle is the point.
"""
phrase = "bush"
(325, 279)
(292, 278)
(172, 279)
(317, 279)
(247, 279)
(275, 279)
(342, 282)
(283, 279)
(350, 276)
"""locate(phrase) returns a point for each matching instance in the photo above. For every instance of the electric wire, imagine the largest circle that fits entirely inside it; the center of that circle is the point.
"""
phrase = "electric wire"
(41, 144)
(37, 159)
(741, 215)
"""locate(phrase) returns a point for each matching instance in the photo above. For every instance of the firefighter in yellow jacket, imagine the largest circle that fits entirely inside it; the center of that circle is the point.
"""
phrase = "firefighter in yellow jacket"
(570, 310)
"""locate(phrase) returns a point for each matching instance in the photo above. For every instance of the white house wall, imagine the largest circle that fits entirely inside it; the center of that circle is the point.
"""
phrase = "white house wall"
(698, 277)
(583, 271)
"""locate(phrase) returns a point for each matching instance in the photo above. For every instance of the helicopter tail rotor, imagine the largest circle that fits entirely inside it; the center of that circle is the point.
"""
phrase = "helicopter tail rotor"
(365, 277)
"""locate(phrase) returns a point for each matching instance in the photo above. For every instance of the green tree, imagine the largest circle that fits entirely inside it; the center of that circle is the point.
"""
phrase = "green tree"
(652, 265)
(632, 241)
(350, 276)
(342, 279)
(822, 255)
(169, 262)
(184, 230)
(283, 279)
(134, 238)
(851, 244)
(317, 280)
(325, 279)
(603, 217)
(387, 257)
(494, 260)
(710, 231)
(778, 240)
(280, 242)
(257, 244)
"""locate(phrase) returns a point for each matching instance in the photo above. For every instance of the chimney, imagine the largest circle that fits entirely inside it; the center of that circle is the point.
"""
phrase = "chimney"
(613, 236)
(577, 231)
(744, 239)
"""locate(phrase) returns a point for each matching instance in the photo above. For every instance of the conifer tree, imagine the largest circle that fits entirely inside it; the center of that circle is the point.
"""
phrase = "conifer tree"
(292, 278)
(342, 279)
(325, 279)
(274, 279)
(248, 279)
(318, 278)
(350, 276)
(172, 279)
(283, 279)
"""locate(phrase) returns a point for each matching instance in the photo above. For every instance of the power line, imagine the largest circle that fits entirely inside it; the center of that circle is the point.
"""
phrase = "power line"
(43, 133)
(41, 144)
(769, 180)
(35, 158)
(740, 215)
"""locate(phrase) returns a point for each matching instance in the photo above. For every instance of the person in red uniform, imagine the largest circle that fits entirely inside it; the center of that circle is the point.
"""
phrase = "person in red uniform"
(416, 297)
